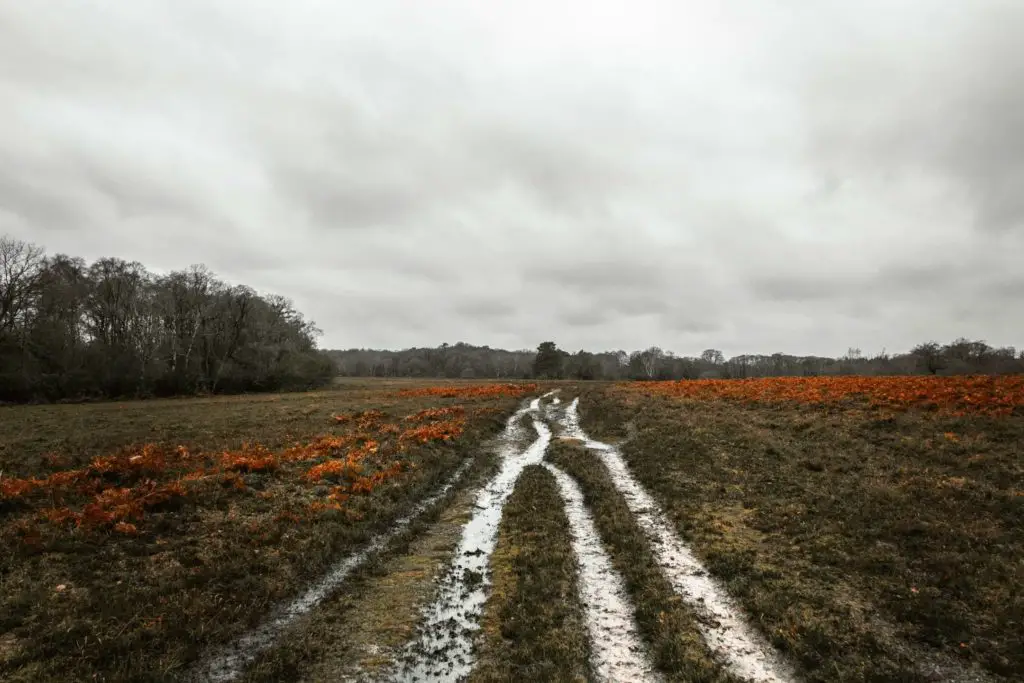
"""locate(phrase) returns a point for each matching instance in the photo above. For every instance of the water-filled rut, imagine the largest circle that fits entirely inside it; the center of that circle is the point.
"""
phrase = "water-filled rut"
(444, 648)
(741, 649)
(618, 654)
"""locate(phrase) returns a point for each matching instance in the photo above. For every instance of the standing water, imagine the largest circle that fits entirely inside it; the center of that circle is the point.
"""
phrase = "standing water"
(617, 651)
(742, 650)
(229, 663)
(444, 649)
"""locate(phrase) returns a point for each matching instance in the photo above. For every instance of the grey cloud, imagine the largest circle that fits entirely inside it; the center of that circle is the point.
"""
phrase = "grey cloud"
(649, 173)
(605, 274)
(949, 278)
(945, 103)
(37, 201)
(895, 279)
(918, 277)
(485, 308)
(588, 317)
(798, 288)
(684, 322)
(349, 202)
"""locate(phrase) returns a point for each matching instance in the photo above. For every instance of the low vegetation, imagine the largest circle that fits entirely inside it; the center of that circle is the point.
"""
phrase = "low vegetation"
(961, 395)
(872, 529)
(664, 619)
(145, 554)
(872, 526)
(533, 626)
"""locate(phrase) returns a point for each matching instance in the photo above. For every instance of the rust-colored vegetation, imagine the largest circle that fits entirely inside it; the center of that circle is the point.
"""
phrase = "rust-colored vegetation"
(429, 414)
(476, 391)
(959, 395)
(138, 551)
(114, 492)
(439, 431)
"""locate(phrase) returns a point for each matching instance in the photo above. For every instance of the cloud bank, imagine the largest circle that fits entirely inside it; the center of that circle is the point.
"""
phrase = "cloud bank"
(749, 176)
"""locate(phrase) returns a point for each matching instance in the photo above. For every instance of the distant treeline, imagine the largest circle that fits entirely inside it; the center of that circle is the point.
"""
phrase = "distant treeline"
(961, 356)
(69, 330)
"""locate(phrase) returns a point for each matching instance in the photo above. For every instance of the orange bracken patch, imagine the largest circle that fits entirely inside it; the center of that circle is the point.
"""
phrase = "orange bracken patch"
(116, 491)
(472, 391)
(438, 431)
(993, 395)
(319, 447)
(436, 414)
(251, 458)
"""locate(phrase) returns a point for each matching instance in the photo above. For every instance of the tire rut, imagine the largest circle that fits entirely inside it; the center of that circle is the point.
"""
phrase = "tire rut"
(741, 649)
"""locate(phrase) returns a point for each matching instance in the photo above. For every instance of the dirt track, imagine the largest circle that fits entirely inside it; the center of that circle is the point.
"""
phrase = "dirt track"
(444, 646)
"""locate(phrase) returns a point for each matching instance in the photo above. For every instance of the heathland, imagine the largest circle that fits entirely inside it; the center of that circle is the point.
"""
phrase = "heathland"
(788, 529)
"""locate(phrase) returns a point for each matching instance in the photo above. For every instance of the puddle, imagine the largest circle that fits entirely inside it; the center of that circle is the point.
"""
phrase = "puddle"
(552, 408)
(230, 662)
(443, 651)
(742, 650)
(617, 652)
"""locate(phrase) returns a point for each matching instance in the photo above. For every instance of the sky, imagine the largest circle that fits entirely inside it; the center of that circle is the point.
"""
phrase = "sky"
(753, 176)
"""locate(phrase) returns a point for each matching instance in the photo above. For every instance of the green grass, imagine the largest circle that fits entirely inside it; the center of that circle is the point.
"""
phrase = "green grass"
(867, 545)
(533, 623)
(665, 621)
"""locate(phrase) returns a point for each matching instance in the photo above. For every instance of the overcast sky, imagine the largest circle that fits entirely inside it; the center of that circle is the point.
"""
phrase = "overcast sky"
(754, 176)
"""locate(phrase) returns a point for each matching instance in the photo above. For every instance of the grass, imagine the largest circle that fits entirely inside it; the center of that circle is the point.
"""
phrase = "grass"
(868, 544)
(79, 432)
(533, 623)
(665, 621)
(198, 568)
(359, 630)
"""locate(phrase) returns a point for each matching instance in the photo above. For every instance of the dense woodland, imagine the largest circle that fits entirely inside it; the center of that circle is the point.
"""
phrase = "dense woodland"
(71, 330)
(463, 360)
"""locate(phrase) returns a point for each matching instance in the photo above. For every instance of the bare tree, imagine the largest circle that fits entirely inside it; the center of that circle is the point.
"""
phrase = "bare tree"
(928, 356)
(113, 328)
(712, 357)
(20, 266)
(650, 359)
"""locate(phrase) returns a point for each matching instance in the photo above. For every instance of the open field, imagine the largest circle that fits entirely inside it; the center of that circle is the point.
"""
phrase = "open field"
(811, 529)
(135, 536)
(873, 536)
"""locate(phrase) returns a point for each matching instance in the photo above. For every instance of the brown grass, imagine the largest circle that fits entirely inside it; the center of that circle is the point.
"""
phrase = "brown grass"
(164, 577)
(868, 544)
(665, 621)
(533, 622)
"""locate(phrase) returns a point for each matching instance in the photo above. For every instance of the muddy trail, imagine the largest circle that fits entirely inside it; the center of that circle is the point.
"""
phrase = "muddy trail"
(743, 651)
(444, 650)
(446, 643)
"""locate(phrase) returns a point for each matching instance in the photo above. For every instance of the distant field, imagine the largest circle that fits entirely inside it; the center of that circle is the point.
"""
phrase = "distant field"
(804, 529)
